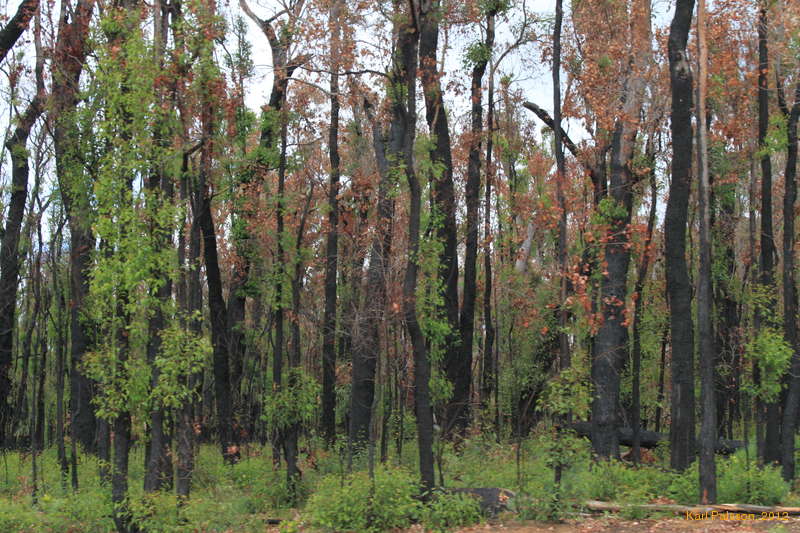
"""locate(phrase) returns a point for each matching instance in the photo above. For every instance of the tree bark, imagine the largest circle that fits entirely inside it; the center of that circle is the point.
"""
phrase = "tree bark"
(488, 375)
(16, 26)
(772, 439)
(679, 290)
(68, 61)
(216, 302)
(9, 252)
(792, 402)
(366, 349)
(457, 368)
(638, 289)
(610, 349)
(401, 154)
(708, 428)
(332, 244)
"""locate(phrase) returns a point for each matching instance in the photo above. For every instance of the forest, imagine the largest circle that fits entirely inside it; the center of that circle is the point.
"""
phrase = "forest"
(398, 265)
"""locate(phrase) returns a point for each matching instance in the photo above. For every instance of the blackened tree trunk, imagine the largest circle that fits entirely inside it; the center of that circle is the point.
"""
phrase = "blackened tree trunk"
(460, 414)
(293, 432)
(563, 341)
(772, 451)
(792, 402)
(67, 67)
(708, 428)
(638, 290)
(60, 305)
(158, 462)
(158, 465)
(280, 268)
(403, 126)
(366, 349)
(272, 141)
(68, 61)
(679, 290)
(122, 439)
(332, 244)
(216, 302)
(456, 368)
(610, 348)
(191, 304)
(488, 375)
(9, 252)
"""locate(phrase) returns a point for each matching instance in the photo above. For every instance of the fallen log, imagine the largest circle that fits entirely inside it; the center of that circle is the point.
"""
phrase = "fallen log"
(651, 439)
(737, 508)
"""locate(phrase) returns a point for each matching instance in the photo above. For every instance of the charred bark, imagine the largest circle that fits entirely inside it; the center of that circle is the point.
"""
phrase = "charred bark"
(679, 290)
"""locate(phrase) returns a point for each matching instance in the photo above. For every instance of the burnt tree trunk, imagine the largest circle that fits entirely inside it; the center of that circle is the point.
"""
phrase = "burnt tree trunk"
(366, 329)
(216, 302)
(638, 290)
(610, 350)
(488, 376)
(772, 440)
(9, 253)
(456, 368)
(68, 61)
(403, 126)
(332, 244)
(679, 290)
(708, 427)
(792, 401)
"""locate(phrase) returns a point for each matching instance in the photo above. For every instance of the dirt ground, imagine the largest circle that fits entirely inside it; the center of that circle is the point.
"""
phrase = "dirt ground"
(665, 525)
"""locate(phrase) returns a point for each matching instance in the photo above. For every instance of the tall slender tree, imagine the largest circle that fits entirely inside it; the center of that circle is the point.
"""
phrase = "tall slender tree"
(679, 290)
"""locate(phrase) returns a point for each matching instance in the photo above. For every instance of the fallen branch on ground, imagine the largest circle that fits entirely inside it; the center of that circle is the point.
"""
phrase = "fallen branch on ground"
(598, 506)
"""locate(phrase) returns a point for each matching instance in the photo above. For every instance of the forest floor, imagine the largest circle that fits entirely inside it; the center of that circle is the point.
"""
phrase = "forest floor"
(245, 496)
(615, 525)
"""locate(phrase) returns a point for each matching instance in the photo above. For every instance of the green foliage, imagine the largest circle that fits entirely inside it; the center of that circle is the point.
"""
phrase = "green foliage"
(477, 54)
(358, 504)
(604, 62)
(447, 510)
(264, 486)
(738, 480)
(773, 356)
(776, 140)
(294, 403)
(493, 6)
(609, 211)
(569, 392)
(620, 482)
(182, 354)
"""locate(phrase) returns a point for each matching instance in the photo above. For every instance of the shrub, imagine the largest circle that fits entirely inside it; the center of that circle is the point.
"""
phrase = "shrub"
(355, 503)
(617, 481)
(737, 482)
(18, 518)
(446, 510)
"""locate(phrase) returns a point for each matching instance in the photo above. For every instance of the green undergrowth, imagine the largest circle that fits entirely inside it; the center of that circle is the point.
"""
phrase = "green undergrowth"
(243, 496)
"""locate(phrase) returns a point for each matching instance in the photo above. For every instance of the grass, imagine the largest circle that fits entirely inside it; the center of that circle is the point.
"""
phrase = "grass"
(243, 496)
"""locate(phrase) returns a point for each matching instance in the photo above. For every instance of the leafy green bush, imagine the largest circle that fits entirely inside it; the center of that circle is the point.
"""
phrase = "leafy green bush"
(447, 510)
(737, 482)
(155, 513)
(617, 481)
(89, 510)
(18, 517)
(355, 503)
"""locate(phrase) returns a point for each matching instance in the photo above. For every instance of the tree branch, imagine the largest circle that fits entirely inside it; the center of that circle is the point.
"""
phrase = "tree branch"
(16, 26)
(545, 117)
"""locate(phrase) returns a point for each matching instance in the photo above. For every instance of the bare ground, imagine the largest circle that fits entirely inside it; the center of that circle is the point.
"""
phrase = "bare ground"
(664, 525)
